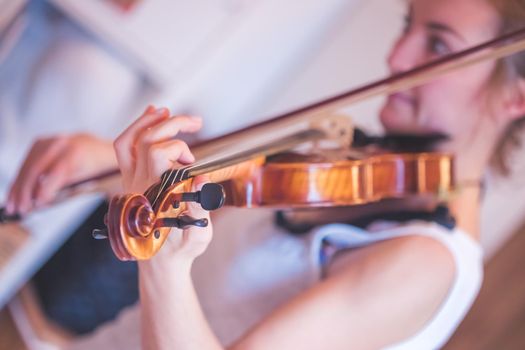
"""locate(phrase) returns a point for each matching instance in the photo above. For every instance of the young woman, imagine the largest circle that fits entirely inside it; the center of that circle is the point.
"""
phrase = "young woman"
(396, 286)
(407, 286)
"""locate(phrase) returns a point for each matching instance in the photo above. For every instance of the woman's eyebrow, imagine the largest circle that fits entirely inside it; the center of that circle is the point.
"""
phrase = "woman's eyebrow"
(444, 28)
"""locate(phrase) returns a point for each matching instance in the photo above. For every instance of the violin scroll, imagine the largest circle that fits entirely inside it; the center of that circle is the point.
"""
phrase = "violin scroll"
(130, 222)
(137, 229)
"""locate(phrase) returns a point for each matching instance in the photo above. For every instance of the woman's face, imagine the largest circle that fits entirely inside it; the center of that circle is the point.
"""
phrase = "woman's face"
(454, 103)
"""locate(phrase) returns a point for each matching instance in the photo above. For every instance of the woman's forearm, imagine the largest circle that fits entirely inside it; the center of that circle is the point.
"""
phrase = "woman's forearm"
(171, 314)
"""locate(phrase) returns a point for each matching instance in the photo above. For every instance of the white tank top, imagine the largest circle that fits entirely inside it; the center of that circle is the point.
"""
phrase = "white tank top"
(252, 267)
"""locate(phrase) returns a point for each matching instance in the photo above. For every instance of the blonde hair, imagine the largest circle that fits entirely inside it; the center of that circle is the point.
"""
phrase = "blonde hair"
(507, 73)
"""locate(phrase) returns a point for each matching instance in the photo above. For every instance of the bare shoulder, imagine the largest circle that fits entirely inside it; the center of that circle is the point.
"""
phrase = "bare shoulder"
(408, 276)
(372, 297)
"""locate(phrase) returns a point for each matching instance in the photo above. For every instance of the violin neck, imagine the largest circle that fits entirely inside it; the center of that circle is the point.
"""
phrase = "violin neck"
(223, 166)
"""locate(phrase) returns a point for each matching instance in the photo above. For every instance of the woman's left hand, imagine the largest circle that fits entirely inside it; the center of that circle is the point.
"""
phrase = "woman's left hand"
(144, 152)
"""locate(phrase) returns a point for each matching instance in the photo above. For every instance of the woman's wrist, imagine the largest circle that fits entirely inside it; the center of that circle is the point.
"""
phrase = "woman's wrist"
(164, 282)
(156, 272)
(161, 264)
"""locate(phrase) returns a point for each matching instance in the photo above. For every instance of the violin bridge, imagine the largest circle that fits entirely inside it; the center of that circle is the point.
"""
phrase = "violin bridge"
(338, 129)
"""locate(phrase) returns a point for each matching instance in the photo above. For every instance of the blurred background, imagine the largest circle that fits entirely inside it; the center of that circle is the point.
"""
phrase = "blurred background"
(93, 66)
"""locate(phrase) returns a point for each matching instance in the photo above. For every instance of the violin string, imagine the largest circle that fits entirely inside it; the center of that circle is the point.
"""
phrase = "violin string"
(163, 184)
(178, 174)
(172, 173)
(175, 175)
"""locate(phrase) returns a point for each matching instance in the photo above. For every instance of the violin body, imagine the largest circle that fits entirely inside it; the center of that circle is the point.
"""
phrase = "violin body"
(335, 179)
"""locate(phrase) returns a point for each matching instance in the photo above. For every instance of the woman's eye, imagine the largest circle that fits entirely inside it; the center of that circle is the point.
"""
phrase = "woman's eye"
(438, 47)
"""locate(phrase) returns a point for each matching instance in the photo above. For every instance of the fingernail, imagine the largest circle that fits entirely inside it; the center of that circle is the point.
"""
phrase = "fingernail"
(187, 159)
(149, 109)
(196, 118)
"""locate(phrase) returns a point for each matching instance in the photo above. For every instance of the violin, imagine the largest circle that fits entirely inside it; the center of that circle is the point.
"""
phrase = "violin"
(139, 224)
(305, 158)
(253, 167)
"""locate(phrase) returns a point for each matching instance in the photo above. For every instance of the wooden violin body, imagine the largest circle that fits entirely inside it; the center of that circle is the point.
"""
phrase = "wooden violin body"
(326, 180)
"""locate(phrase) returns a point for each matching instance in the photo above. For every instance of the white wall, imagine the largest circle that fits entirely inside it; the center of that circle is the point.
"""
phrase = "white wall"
(354, 55)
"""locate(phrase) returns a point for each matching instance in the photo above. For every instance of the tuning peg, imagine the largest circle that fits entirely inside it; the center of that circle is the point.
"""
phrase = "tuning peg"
(182, 222)
(210, 197)
(100, 234)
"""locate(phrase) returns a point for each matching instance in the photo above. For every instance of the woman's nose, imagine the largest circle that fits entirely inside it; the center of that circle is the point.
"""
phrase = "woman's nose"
(404, 55)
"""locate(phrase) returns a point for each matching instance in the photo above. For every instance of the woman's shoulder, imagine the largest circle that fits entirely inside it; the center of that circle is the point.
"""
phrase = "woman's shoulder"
(433, 272)
(426, 247)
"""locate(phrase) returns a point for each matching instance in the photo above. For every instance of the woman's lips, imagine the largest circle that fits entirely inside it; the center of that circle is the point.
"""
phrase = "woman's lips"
(403, 97)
